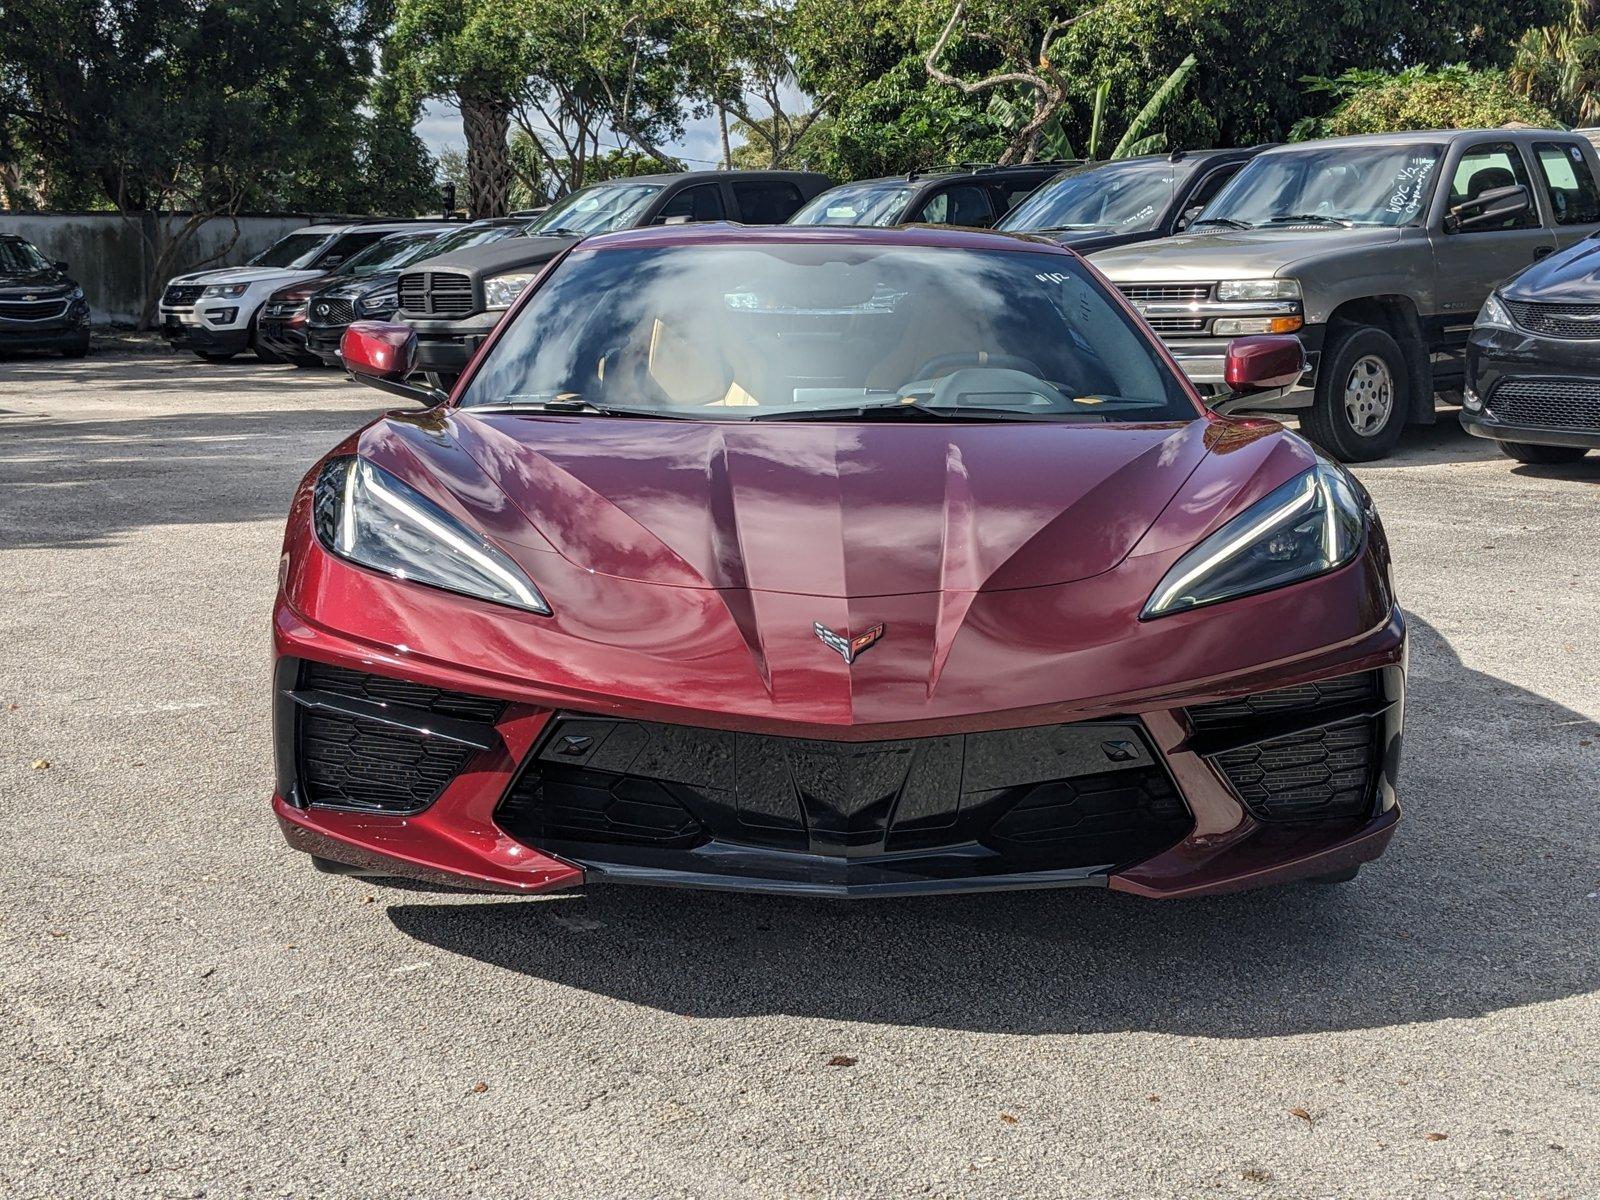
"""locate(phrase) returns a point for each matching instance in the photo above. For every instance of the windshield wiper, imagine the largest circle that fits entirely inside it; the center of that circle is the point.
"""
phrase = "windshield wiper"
(1308, 219)
(1229, 222)
(572, 405)
(558, 231)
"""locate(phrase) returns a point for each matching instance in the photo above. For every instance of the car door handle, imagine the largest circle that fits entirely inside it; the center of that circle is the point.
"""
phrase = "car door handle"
(1540, 251)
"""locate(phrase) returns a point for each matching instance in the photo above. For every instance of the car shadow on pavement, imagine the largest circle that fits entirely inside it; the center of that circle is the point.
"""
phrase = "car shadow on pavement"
(1484, 902)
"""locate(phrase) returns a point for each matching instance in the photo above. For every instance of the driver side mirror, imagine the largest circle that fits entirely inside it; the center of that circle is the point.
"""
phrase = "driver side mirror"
(1186, 218)
(1258, 366)
(61, 265)
(1489, 210)
(332, 261)
(383, 354)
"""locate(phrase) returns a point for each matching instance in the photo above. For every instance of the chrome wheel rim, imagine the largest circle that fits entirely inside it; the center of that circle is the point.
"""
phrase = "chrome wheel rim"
(1369, 395)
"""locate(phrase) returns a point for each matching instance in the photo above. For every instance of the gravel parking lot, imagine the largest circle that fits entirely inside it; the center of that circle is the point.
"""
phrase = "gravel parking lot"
(187, 1009)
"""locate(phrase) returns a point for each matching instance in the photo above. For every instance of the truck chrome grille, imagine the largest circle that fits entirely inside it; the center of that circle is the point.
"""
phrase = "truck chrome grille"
(1168, 325)
(1557, 320)
(1165, 293)
(1547, 403)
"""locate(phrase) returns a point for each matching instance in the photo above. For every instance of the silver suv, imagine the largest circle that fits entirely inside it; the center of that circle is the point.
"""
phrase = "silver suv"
(1376, 252)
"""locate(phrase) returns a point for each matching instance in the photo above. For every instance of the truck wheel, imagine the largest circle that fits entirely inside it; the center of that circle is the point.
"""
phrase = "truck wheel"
(1362, 397)
(1528, 453)
(214, 355)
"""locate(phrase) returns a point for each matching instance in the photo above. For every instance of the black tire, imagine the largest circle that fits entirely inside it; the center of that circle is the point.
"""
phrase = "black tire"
(1549, 455)
(214, 355)
(262, 353)
(1380, 394)
(76, 350)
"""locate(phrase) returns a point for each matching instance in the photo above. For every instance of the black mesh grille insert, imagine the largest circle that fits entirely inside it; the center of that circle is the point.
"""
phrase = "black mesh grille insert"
(336, 310)
(1066, 795)
(1557, 320)
(363, 764)
(1322, 763)
(1246, 711)
(1548, 403)
(1322, 772)
(382, 689)
(182, 293)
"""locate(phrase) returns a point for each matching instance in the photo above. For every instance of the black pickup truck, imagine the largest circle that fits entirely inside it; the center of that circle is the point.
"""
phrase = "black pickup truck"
(455, 301)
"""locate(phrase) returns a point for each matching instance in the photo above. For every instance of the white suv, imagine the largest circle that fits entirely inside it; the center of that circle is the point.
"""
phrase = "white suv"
(213, 312)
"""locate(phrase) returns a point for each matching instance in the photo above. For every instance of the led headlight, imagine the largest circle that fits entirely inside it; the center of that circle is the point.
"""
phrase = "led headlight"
(384, 302)
(501, 291)
(225, 291)
(366, 515)
(1307, 527)
(1258, 289)
(1495, 313)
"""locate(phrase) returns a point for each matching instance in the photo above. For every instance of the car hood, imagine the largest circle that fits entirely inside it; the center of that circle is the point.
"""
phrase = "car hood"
(43, 282)
(843, 510)
(1571, 277)
(1231, 253)
(498, 257)
(244, 275)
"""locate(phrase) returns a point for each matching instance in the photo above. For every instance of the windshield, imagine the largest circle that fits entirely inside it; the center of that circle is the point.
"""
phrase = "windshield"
(1331, 185)
(392, 252)
(457, 239)
(780, 331)
(296, 250)
(856, 204)
(18, 257)
(1127, 196)
(596, 209)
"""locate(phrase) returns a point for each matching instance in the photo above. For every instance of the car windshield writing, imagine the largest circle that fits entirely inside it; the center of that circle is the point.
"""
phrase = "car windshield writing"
(864, 204)
(20, 258)
(1120, 196)
(596, 209)
(296, 250)
(790, 330)
(1334, 185)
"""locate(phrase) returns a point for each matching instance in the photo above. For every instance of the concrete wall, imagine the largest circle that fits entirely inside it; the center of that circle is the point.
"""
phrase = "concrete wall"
(107, 255)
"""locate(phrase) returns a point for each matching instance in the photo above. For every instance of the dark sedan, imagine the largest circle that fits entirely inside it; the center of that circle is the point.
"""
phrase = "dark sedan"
(1533, 361)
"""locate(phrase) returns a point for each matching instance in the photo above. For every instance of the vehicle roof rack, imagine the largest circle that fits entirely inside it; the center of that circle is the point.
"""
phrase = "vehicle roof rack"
(947, 169)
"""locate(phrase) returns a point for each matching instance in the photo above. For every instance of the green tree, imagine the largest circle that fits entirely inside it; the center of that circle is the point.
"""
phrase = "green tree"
(1558, 65)
(1455, 97)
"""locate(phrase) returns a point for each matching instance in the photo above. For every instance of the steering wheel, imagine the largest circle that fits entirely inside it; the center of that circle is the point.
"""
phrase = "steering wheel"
(945, 363)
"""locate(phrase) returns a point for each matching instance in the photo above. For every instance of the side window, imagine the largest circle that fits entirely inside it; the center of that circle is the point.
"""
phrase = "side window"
(963, 204)
(766, 202)
(1487, 166)
(703, 202)
(1569, 182)
(1014, 194)
(349, 244)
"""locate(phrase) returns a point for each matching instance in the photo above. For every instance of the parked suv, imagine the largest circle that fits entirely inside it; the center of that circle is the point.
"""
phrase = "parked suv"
(975, 195)
(41, 307)
(1094, 206)
(454, 301)
(1376, 251)
(213, 313)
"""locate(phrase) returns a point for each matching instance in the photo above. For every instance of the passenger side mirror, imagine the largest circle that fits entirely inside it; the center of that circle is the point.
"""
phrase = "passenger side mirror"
(1257, 366)
(61, 265)
(332, 261)
(383, 354)
(1186, 218)
(1488, 210)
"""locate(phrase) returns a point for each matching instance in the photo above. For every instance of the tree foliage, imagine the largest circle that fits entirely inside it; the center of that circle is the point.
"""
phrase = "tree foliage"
(1558, 65)
(1455, 97)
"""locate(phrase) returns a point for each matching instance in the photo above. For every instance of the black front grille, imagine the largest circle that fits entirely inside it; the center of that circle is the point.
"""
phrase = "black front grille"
(33, 310)
(1323, 772)
(1165, 293)
(331, 311)
(393, 765)
(1066, 796)
(436, 293)
(1177, 324)
(283, 309)
(383, 689)
(1306, 752)
(1557, 320)
(1547, 403)
(180, 294)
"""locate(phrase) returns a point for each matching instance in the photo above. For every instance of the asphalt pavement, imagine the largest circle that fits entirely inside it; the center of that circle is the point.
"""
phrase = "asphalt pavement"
(187, 1009)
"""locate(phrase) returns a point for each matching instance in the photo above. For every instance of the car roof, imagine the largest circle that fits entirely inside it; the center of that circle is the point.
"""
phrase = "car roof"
(1413, 137)
(731, 176)
(966, 170)
(721, 233)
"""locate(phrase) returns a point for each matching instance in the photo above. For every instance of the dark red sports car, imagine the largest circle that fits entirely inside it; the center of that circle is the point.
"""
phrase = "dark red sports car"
(843, 562)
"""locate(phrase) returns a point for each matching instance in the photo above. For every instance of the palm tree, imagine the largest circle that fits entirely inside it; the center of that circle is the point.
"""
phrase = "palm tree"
(1558, 66)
